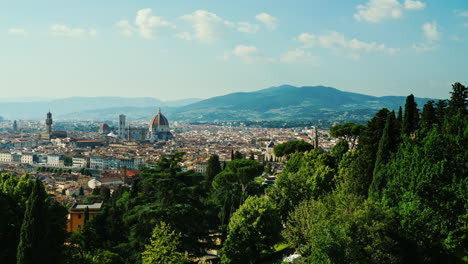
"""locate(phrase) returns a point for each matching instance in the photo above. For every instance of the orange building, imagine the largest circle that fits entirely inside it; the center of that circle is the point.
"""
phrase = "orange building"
(76, 215)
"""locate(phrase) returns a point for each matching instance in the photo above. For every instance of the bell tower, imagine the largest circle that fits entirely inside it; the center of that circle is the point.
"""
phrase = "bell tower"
(49, 123)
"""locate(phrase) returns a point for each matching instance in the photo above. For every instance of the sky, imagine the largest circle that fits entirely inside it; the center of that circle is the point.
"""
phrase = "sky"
(199, 49)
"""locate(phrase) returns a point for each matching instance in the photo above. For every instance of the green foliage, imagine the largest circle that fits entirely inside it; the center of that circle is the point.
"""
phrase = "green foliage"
(231, 186)
(164, 247)
(291, 147)
(306, 176)
(68, 161)
(253, 229)
(213, 168)
(387, 145)
(342, 229)
(42, 233)
(428, 193)
(428, 116)
(458, 100)
(340, 149)
(353, 176)
(411, 116)
(347, 131)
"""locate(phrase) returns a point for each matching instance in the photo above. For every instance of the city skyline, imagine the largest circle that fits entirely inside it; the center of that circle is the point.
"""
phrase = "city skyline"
(188, 49)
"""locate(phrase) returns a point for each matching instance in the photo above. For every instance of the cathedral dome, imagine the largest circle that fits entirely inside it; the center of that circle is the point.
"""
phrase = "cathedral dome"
(158, 120)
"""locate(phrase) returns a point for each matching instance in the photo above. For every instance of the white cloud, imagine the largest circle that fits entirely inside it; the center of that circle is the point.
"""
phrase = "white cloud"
(184, 35)
(247, 27)
(423, 47)
(299, 56)
(18, 31)
(248, 54)
(340, 45)
(455, 37)
(145, 24)
(125, 27)
(462, 13)
(206, 25)
(377, 10)
(431, 32)
(414, 5)
(465, 25)
(66, 31)
(268, 20)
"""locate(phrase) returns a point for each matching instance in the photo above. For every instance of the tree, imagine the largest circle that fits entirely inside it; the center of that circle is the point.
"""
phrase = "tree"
(213, 168)
(427, 192)
(251, 157)
(68, 161)
(164, 247)
(252, 229)
(306, 176)
(238, 155)
(342, 229)
(43, 229)
(440, 111)
(32, 228)
(348, 131)
(411, 116)
(291, 147)
(240, 172)
(458, 100)
(340, 149)
(428, 116)
(387, 145)
(81, 191)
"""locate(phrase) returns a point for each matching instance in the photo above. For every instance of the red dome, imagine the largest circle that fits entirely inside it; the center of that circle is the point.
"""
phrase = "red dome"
(158, 120)
(104, 127)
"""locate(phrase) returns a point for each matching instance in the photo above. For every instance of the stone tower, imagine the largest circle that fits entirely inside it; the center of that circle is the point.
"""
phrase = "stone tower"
(49, 123)
(122, 126)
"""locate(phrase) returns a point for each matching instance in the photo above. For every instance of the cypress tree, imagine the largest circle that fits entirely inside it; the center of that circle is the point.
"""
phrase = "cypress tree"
(386, 146)
(32, 235)
(428, 116)
(400, 115)
(213, 168)
(458, 99)
(440, 110)
(411, 116)
(86, 215)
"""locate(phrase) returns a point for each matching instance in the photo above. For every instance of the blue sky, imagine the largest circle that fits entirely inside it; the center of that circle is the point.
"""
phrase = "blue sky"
(184, 49)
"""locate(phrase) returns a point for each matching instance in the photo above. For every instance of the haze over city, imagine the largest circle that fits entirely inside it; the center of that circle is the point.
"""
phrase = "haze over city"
(200, 49)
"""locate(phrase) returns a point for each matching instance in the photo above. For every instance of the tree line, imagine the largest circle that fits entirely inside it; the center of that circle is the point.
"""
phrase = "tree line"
(400, 196)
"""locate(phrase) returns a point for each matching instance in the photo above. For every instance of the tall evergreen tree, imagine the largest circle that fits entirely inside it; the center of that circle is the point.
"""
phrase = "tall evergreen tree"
(31, 247)
(213, 168)
(440, 110)
(458, 100)
(400, 115)
(428, 116)
(387, 145)
(86, 214)
(411, 116)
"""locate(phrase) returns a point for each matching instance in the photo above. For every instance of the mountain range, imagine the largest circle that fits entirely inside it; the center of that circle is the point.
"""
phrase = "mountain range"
(283, 102)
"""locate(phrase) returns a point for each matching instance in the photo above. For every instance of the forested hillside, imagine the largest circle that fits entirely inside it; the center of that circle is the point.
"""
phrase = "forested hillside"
(400, 195)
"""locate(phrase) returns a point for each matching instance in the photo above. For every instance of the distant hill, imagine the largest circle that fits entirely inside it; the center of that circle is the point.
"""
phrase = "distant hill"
(283, 102)
(288, 102)
(24, 108)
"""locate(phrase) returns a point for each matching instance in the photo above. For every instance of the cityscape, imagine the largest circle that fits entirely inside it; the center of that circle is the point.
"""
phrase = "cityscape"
(244, 132)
